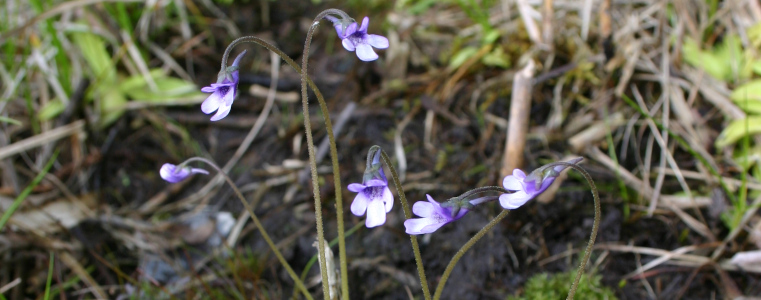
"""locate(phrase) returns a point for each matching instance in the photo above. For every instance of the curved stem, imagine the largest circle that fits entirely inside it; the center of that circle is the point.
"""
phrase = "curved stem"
(258, 224)
(408, 215)
(484, 189)
(313, 167)
(595, 226)
(465, 248)
(482, 200)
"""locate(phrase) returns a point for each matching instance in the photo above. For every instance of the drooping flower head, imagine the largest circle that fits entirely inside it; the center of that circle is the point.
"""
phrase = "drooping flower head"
(359, 40)
(223, 92)
(528, 187)
(172, 173)
(432, 216)
(373, 194)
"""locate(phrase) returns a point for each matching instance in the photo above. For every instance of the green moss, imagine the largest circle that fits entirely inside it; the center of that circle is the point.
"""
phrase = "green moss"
(546, 287)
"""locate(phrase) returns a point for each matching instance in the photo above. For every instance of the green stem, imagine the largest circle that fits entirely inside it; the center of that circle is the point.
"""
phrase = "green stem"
(334, 160)
(408, 215)
(465, 248)
(296, 280)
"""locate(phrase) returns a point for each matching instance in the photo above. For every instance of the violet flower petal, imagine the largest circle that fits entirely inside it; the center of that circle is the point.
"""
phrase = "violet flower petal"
(423, 209)
(528, 187)
(222, 112)
(351, 29)
(171, 173)
(365, 24)
(433, 217)
(433, 227)
(223, 93)
(356, 187)
(359, 205)
(388, 199)
(376, 214)
(377, 41)
(348, 45)
(514, 200)
(211, 103)
(415, 226)
(512, 182)
(358, 40)
(365, 52)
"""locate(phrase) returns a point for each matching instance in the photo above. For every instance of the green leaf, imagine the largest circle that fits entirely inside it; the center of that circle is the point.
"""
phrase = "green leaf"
(748, 96)
(421, 6)
(705, 60)
(461, 56)
(51, 110)
(497, 58)
(169, 88)
(138, 81)
(756, 66)
(754, 35)
(491, 36)
(94, 51)
(9, 120)
(729, 51)
(112, 106)
(738, 129)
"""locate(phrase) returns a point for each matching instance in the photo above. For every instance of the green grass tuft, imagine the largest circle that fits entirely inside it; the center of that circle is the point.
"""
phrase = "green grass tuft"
(545, 287)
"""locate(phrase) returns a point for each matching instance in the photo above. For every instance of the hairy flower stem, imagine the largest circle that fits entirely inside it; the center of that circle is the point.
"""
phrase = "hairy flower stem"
(465, 248)
(299, 283)
(595, 226)
(408, 215)
(482, 200)
(313, 167)
(483, 189)
(310, 145)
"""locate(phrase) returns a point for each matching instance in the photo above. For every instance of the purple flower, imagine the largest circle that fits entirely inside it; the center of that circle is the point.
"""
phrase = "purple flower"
(172, 173)
(359, 40)
(528, 187)
(223, 92)
(433, 217)
(373, 196)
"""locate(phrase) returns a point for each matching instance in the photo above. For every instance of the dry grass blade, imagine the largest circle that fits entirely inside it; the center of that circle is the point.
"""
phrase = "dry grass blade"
(633, 182)
(10, 285)
(53, 135)
(527, 15)
(596, 132)
(76, 267)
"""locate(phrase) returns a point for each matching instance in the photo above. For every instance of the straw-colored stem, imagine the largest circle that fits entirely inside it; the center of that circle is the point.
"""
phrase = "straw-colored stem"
(408, 215)
(258, 224)
(465, 248)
